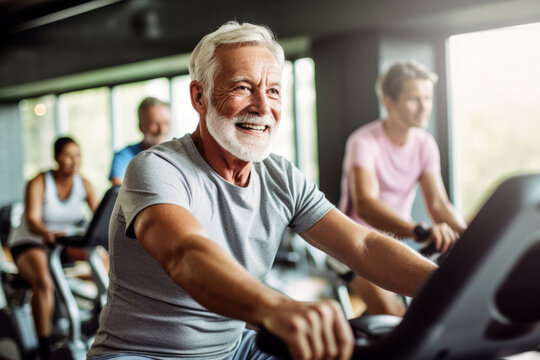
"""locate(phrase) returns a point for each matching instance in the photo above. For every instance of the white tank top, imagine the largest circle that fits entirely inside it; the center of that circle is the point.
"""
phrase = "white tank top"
(58, 215)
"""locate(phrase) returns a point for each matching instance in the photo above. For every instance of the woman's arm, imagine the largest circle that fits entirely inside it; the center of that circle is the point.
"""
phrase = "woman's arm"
(34, 197)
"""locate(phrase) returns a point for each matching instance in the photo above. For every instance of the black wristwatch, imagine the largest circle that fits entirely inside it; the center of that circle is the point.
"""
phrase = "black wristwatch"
(421, 232)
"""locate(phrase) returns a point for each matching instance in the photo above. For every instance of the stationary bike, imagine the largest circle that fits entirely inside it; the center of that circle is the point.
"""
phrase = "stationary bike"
(481, 303)
(82, 331)
(18, 338)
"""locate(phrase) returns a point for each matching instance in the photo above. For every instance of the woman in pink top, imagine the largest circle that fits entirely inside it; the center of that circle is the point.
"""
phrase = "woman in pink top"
(384, 162)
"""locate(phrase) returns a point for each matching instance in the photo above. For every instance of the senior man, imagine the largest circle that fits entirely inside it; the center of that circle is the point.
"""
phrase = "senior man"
(199, 219)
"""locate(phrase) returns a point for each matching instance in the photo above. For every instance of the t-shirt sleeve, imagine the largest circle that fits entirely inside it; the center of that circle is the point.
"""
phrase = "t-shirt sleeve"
(361, 153)
(151, 179)
(310, 204)
(431, 158)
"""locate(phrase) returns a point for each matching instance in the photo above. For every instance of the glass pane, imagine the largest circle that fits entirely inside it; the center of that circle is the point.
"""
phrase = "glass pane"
(283, 142)
(85, 116)
(126, 99)
(306, 118)
(184, 117)
(495, 109)
(39, 131)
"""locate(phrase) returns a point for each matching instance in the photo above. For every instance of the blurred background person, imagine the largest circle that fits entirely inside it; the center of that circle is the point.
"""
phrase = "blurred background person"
(154, 123)
(384, 162)
(54, 206)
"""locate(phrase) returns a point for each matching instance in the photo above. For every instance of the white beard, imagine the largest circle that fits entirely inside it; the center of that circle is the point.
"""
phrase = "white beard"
(151, 140)
(244, 146)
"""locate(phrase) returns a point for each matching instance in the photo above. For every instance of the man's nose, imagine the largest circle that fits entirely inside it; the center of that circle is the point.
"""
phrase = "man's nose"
(425, 104)
(161, 129)
(260, 103)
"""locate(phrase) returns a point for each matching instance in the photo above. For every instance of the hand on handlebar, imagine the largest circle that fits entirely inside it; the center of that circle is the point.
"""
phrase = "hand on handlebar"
(312, 330)
(50, 237)
(443, 237)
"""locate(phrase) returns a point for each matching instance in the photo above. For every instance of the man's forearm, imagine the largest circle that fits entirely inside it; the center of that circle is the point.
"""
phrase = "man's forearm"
(222, 285)
(392, 265)
(448, 214)
(201, 267)
(381, 216)
(370, 254)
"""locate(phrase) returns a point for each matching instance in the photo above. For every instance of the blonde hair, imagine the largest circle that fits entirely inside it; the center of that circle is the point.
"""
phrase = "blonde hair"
(390, 83)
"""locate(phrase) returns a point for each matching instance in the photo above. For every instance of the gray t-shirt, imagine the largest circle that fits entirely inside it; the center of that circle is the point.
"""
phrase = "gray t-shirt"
(146, 311)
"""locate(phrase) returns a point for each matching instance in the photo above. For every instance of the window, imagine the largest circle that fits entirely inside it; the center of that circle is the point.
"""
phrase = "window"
(283, 143)
(185, 118)
(105, 119)
(85, 116)
(306, 118)
(126, 99)
(495, 109)
(38, 117)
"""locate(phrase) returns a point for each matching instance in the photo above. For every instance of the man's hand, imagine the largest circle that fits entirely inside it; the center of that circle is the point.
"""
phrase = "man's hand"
(314, 330)
(443, 236)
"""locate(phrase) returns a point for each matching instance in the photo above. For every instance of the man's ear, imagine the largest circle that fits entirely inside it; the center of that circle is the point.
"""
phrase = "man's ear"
(197, 97)
(141, 120)
(388, 103)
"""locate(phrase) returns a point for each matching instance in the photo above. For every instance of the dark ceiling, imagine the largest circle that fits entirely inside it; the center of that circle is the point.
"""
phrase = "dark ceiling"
(42, 39)
(20, 15)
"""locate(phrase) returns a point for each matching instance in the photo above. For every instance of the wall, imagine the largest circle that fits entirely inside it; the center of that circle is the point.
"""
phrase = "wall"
(345, 72)
(11, 155)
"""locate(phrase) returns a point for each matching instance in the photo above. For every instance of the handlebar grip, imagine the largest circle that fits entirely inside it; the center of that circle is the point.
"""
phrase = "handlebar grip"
(431, 252)
(428, 250)
(271, 344)
(366, 329)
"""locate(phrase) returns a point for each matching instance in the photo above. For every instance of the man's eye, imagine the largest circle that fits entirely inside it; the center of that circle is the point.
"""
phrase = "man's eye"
(242, 88)
(274, 91)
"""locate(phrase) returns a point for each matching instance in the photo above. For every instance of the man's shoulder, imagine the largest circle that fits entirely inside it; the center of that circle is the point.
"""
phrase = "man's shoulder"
(176, 152)
(422, 137)
(276, 161)
(367, 130)
(276, 167)
(369, 133)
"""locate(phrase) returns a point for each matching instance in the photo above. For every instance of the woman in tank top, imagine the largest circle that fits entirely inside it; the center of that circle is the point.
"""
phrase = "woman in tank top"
(54, 202)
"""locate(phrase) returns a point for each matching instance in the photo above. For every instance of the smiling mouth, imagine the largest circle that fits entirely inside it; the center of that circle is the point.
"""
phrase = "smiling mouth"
(252, 127)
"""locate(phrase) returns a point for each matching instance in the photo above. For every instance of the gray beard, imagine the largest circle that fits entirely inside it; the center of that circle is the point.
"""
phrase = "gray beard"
(223, 130)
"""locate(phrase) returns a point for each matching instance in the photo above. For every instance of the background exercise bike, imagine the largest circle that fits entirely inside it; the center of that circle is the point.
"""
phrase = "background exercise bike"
(18, 339)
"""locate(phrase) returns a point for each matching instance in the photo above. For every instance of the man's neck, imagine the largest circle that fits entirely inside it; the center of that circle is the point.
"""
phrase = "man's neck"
(396, 132)
(228, 166)
(145, 145)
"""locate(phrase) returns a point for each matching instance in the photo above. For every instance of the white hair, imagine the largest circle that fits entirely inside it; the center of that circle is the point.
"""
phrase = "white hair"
(203, 66)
